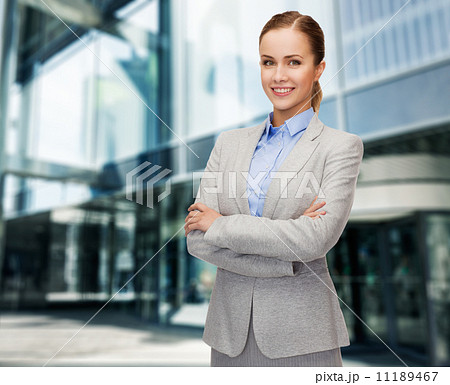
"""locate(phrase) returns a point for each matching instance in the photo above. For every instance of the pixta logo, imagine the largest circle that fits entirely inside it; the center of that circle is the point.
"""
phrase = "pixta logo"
(138, 185)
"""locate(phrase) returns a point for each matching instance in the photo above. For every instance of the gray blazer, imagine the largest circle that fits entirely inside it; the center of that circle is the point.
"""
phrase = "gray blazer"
(295, 306)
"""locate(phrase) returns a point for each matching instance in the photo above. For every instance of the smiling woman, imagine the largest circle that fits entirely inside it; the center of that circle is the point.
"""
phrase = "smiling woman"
(273, 302)
(291, 82)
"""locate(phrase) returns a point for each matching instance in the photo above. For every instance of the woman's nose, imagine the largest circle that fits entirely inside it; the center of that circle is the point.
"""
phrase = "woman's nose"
(280, 74)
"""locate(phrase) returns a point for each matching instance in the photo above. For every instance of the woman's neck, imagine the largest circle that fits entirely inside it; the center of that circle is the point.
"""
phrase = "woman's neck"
(279, 117)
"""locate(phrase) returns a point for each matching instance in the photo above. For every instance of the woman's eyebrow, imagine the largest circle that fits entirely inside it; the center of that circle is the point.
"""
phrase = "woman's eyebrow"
(286, 57)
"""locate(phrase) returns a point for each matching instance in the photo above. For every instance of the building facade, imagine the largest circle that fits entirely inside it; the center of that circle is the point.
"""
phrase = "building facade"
(91, 90)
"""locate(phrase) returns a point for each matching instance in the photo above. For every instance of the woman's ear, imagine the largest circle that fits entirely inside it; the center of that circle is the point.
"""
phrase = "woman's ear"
(319, 70)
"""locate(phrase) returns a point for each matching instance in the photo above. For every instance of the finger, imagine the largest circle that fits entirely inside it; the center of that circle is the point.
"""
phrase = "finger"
(188, 222)
(310, 208)
(191, 207)
(319, 214)
(312, 203)
(315, 214)
(315, 207)
(197, 206)
(195, 215)
(192, 215)
(192, 220)
(192, 226)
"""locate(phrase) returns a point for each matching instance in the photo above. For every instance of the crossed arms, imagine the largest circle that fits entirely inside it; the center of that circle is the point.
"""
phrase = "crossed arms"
(263, 247)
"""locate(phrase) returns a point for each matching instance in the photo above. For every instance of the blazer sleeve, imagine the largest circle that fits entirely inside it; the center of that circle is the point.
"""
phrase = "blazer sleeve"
(221, 256)
(303, 238)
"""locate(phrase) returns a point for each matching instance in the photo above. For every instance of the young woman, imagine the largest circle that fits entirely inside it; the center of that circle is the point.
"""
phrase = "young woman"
(256, 215)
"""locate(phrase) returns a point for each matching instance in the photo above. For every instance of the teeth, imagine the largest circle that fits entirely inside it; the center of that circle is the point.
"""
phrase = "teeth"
(282, 90)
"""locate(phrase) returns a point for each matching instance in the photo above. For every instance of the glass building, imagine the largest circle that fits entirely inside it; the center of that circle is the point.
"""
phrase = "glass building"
(90, 90)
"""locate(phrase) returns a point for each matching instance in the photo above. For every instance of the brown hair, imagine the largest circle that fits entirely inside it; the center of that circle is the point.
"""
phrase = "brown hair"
(307, 25)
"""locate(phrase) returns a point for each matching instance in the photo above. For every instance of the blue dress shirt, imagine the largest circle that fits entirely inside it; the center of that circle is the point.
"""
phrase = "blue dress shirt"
(272, 149)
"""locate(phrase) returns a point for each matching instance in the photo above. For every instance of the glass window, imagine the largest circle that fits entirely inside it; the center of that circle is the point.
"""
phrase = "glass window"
(429, 28)
(417, 40)
(407, 283)
(406, 43)
(389, 42)
(328, 113)
(347, 15)
(142, 14)
(352, 72)
(63, 100)
(375, 9)
(364, 10)
(85, 103)
(364, 56)
(438, 246)
(122, 115)
(382, 48)
(398, 46)
(399, 103)
(443, 33)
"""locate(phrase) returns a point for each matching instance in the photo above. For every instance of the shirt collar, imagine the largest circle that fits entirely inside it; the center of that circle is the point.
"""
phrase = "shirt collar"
(295, 124)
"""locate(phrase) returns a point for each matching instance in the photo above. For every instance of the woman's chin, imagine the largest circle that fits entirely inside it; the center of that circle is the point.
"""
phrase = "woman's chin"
(283, 107)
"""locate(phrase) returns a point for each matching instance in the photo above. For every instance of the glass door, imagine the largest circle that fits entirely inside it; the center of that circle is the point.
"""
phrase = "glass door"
(407, 282)
(355, 264)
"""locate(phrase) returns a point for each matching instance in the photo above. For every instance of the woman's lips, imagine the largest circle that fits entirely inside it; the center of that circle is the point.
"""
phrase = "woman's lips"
(284, 93)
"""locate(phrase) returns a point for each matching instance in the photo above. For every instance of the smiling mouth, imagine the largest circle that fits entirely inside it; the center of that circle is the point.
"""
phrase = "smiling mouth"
(283, 91)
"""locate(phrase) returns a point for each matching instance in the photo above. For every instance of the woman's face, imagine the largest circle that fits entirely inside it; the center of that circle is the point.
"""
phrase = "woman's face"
(287, 63)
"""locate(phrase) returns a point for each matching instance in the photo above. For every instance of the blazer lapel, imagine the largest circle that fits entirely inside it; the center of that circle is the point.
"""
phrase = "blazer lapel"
(294, 162)
(245, 153)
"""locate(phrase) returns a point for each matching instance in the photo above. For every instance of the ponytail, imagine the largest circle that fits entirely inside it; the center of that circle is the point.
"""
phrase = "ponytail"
(316, 96)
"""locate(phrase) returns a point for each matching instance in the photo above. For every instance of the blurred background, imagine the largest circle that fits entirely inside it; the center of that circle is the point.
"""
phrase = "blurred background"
(77, 115)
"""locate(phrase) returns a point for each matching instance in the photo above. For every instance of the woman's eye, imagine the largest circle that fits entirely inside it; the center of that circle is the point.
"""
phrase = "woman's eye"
(270, 62)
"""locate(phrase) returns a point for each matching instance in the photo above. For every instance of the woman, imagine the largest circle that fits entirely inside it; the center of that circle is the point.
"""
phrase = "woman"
(257, 219)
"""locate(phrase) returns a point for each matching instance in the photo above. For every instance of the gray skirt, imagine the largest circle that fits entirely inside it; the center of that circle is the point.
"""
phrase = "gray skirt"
(252, 356)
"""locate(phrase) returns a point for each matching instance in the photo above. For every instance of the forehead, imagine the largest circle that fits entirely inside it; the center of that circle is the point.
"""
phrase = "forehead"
(280, 42)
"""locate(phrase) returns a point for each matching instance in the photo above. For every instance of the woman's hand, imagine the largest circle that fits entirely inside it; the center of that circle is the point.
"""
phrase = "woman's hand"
(201, 219)
(311, 210)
